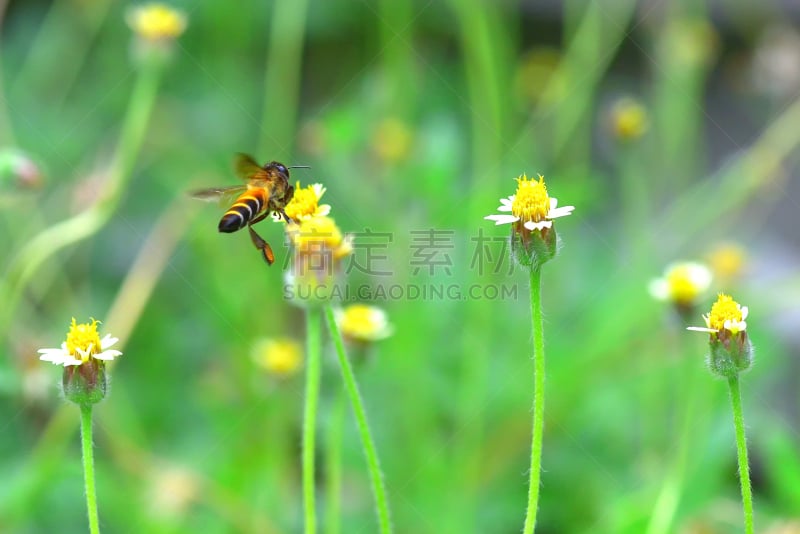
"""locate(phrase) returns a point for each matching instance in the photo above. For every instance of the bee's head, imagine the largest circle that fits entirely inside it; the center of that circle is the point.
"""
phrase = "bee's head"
(280, 167)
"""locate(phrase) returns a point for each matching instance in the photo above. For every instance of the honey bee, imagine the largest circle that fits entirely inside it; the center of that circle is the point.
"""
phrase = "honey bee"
(267, 191)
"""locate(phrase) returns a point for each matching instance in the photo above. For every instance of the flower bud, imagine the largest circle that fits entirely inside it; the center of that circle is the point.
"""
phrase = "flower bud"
(730, 355)
(534, 248)
(85, 384)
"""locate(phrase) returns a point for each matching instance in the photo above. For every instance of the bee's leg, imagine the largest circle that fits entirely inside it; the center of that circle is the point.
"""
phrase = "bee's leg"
(259, 218)
(261, 245)
(285, 217)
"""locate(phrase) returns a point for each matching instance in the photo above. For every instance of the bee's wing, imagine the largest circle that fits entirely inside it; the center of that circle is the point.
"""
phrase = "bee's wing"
(221, 195)
(246, 167)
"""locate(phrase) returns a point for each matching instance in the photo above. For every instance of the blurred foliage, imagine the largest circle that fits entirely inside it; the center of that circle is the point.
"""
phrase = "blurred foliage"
(415, 116)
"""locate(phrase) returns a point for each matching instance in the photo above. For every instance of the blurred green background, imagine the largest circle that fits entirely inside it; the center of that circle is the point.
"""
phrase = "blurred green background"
(416, 116)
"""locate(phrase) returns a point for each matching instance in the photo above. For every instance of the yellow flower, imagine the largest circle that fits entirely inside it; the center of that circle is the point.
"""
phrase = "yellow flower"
(360, 322)
(531, 205)
(392, 140)
(172, 490)
(727, 260)
(629, 119)
(537, 76)
(83, 342)
(281, 357)
(305, 204)
(156, 22)
(682, 283)
(726, 315)
(320, 235)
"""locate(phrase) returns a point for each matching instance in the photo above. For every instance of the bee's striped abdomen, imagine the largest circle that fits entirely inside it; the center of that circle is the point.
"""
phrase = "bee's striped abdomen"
(245, 209)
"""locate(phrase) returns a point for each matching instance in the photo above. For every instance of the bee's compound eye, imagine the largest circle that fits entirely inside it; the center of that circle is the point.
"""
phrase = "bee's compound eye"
(282, 168)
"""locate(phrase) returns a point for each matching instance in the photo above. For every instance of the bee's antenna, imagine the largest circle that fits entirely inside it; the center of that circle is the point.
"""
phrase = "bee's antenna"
(299, 167)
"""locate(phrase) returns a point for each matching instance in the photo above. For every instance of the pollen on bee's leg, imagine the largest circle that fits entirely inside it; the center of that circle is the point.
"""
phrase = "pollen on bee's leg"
(269, 256)
(262, 245)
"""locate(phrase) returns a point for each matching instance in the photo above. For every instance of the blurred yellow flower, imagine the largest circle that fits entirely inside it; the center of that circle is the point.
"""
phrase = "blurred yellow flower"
(727, 260)
(536, 76)
(629, 120)
(784, 527)
(682, 283)
(280, 357)
(172, 490)
(392, 140)
(363, 323)
(305, 203)
(156, 22)
(83, 342)
(530, 206)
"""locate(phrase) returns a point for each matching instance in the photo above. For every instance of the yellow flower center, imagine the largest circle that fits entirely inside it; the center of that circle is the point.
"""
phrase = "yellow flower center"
(727, 260)
(531, 202)
(723, 310)
(682, 285)
(280, 357)
(362, 322)
(154, 22)
(392, 140)
(304, 203)
(83, 336)
(629, 119)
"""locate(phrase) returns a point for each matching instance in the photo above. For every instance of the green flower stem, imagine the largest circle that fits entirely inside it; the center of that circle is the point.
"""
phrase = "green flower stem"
(741, 446)
(88, 467)
(363, 427)
(52, 240)
(282, 80)
(313, 377)
(333, 465)
(538, 399)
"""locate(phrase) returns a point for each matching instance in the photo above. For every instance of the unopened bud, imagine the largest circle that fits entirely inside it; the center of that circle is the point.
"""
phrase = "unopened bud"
(85, 384)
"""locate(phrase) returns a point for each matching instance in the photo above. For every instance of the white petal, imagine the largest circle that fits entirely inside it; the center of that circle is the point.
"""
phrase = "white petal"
(323, 210)
(735, 326)
(108, 341)
(701, 329)
(745, 311)
(506, 201)
(504, 208)
(52, 356)
(553, 203)
(502, 219)
(59, 358)
(319, 190)
(52, 351)
(563, 211)
(530, 225)
(108, 355)
(659, 289)
(700, 275)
